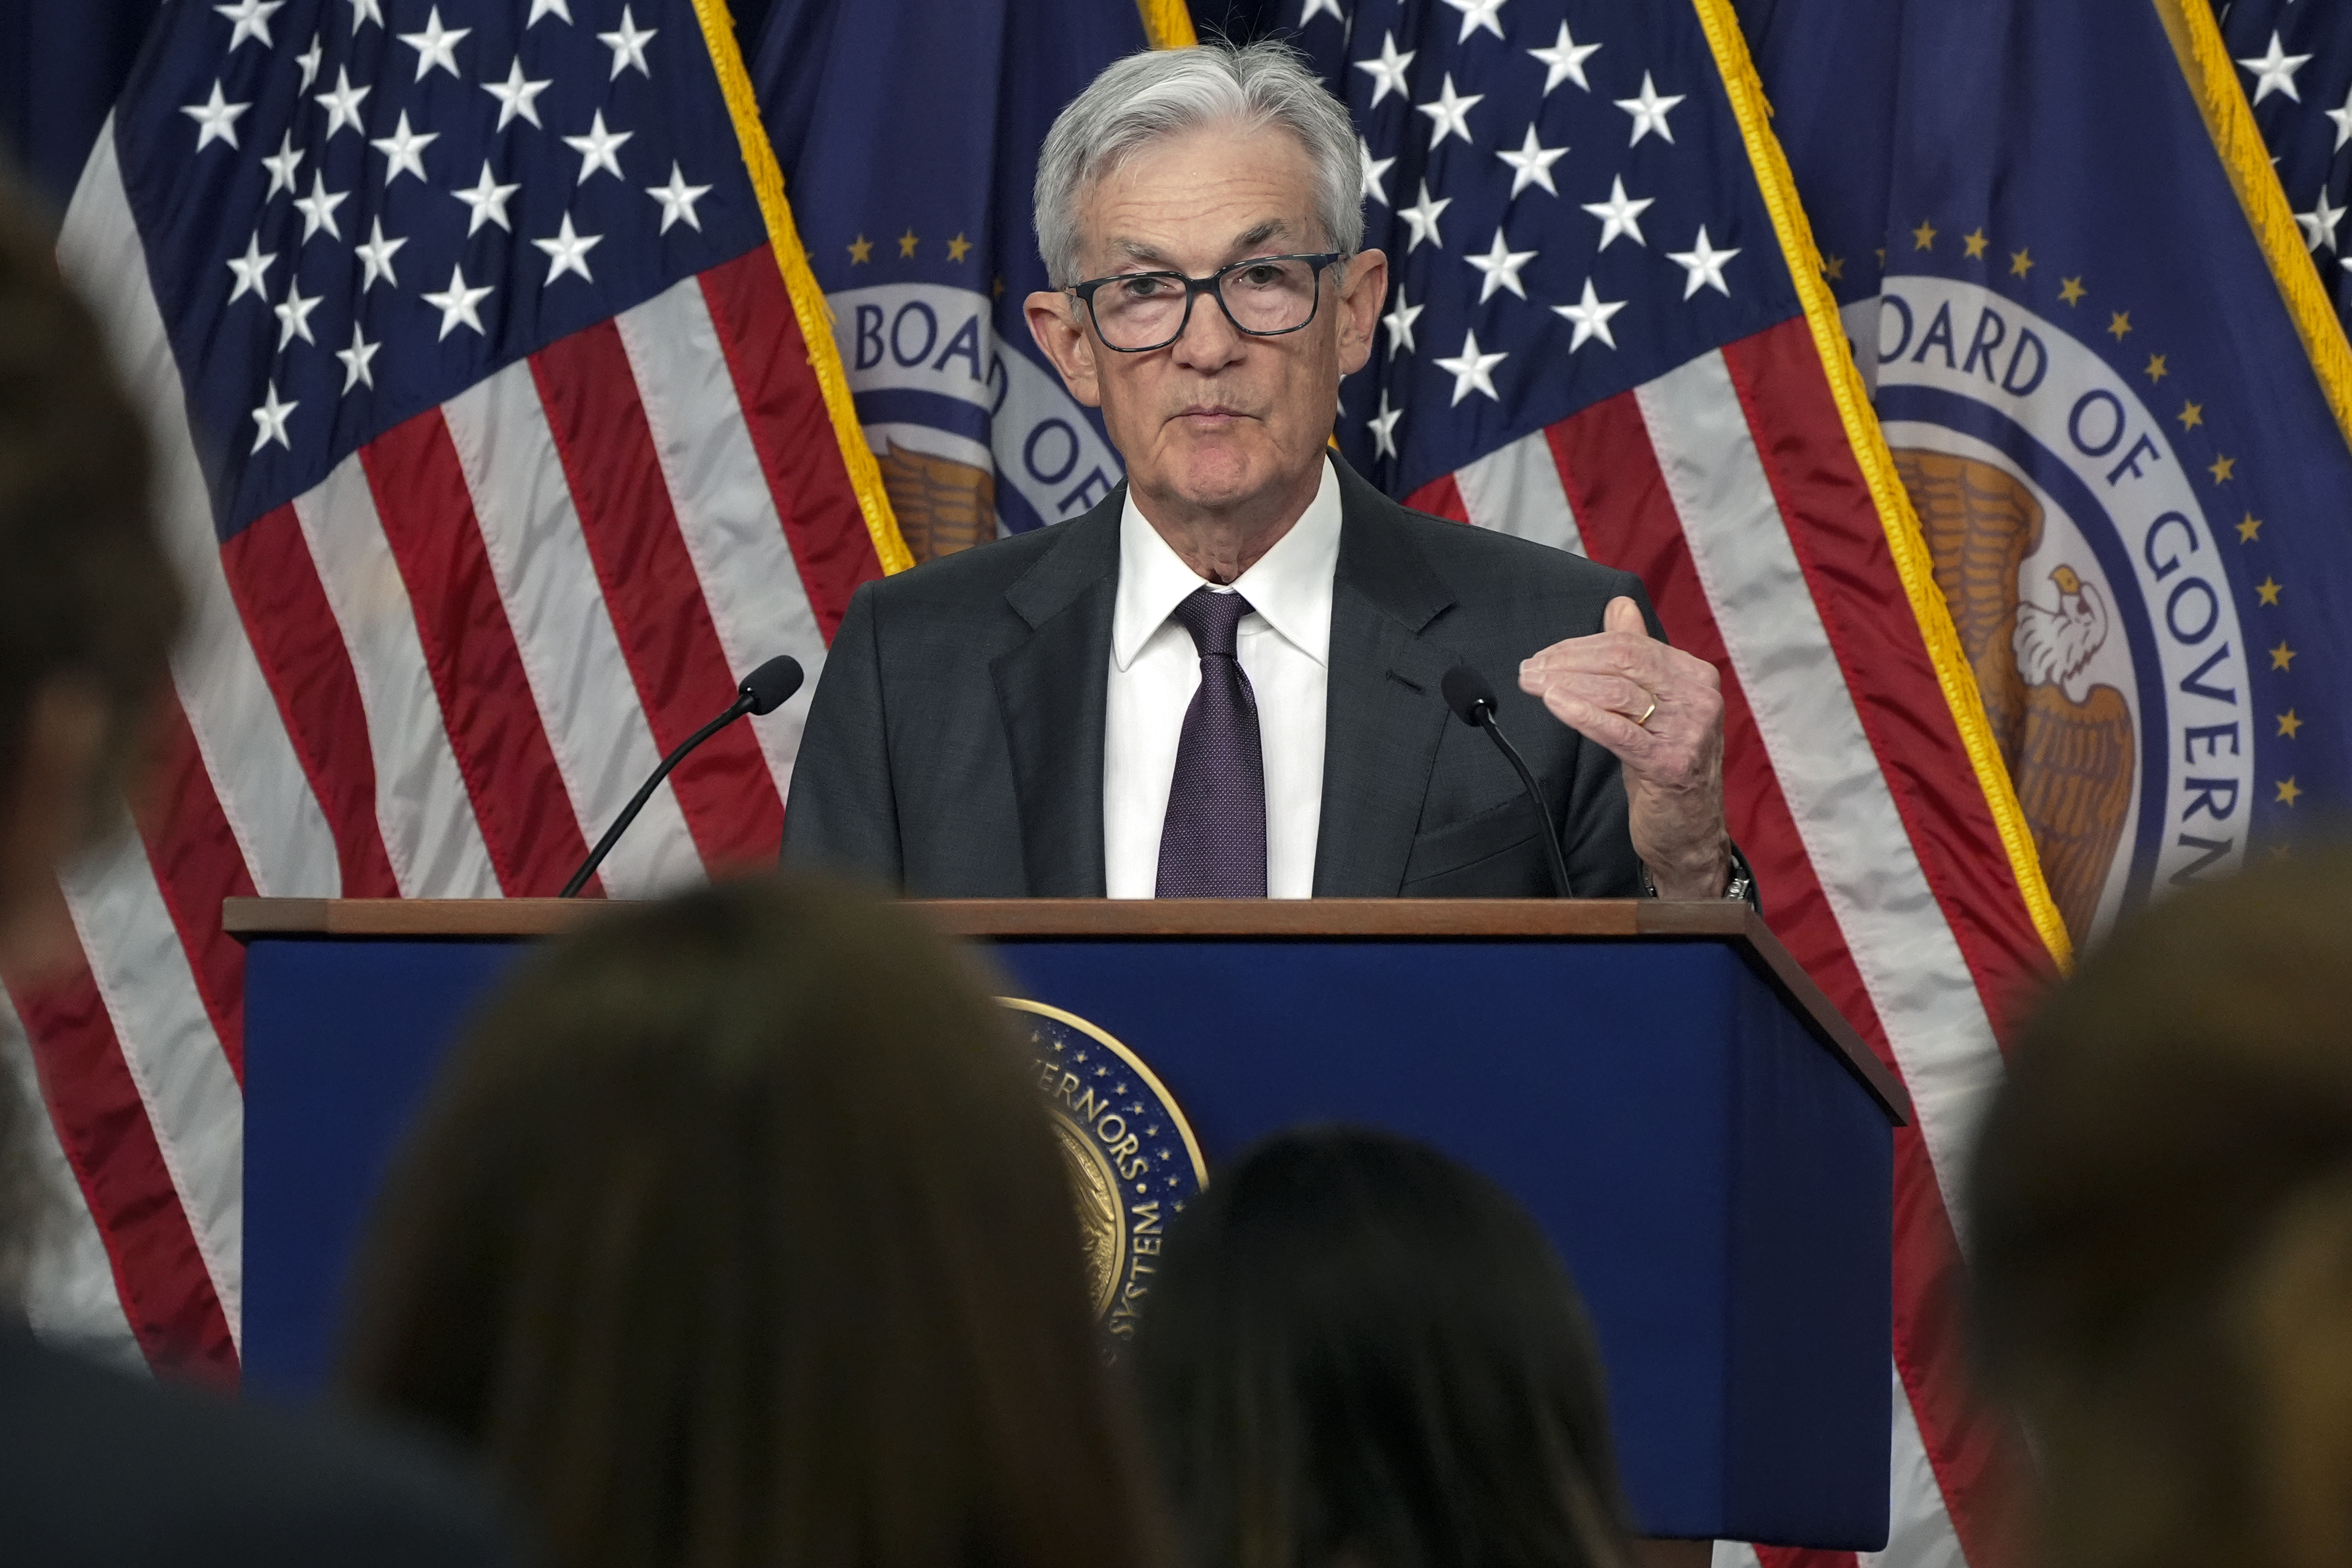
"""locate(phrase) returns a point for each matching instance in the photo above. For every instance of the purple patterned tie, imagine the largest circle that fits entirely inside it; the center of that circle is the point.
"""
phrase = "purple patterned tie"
(1213, 842)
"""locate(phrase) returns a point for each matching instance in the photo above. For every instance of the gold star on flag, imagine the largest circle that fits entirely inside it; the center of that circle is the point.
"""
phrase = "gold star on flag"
(2269, 589)
(2190, 415)
(997, 287)
(2021, 264)
(957, 246)
(1924, 237)
(2289, 723)
(2248, 529)
(1882, 256)
(1833, 269)
(2072, 291)
(2220, 470)
(2281, 656)
(1976, 243)
(906, 243)
(2119, 323)
(2287, 792)
(2155, 371)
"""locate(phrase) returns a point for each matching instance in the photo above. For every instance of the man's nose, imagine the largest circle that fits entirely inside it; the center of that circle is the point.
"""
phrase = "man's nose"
(1209, 339)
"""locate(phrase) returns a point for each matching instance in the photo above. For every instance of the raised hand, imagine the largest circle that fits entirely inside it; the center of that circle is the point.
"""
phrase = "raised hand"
(1660, 711)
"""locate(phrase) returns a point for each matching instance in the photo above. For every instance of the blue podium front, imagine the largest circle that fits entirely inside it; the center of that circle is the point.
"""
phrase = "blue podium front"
(1704, 1139)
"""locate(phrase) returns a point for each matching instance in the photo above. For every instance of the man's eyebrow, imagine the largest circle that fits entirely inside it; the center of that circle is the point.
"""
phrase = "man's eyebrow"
(1252, 238)
(1247, 240)
(1139, 250)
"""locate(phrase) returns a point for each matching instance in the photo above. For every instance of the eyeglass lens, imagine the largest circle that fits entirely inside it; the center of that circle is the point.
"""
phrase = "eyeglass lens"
(1148, 310)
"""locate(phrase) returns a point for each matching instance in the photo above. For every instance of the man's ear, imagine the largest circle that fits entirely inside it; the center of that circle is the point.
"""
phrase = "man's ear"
(1360, 302)
(44, 817)
(1053, 323)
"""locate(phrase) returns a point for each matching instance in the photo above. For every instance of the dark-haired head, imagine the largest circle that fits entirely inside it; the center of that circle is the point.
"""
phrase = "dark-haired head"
(2162, 1225)
(736, 1234)
(89, 607)
(88, 604)
(1361, 1352)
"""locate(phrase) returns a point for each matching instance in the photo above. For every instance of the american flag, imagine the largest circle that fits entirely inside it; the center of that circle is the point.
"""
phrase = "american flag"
(500, 433)
(2296, 64)
(1609, 330)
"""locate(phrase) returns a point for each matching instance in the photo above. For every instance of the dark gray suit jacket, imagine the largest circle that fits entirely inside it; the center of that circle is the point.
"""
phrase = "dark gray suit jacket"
(955, 744)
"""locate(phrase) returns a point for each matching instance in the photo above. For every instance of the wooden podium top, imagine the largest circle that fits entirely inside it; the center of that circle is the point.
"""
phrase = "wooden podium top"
(1249, 918)
(1128, 919)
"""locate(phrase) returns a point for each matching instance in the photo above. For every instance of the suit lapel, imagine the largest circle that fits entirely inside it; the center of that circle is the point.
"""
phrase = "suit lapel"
(1052, 690)
(1384, 715)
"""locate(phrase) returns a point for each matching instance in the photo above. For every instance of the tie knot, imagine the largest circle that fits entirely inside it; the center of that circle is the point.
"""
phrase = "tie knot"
(1213, 619)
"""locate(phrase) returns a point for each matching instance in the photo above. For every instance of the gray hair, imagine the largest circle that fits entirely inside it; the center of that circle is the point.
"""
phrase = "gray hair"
(1160, 93)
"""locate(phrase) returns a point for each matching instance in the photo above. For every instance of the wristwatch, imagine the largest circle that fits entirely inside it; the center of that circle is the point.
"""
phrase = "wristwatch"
(1741, 888)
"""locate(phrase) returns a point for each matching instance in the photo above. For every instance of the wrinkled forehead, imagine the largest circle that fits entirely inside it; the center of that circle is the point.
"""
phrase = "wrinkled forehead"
(1202, 196)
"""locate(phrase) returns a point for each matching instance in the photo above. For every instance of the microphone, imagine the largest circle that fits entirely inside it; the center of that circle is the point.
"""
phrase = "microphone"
(1473, 702)
(766, 688)
(763, 690)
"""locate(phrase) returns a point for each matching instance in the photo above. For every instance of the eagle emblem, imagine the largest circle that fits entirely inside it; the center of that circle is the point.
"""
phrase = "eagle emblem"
(2068, 740)
(942, 506)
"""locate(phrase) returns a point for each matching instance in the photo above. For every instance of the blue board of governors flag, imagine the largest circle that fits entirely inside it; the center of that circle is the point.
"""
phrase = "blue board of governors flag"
(908, 133)
(2119, 443)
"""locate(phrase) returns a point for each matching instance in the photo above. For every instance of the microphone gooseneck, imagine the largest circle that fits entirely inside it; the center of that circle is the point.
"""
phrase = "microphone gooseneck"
(763, 690)
(1472, 700)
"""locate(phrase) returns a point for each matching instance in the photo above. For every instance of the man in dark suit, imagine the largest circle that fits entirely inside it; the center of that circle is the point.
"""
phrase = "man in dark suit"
(1224, 680)
(97, 1469)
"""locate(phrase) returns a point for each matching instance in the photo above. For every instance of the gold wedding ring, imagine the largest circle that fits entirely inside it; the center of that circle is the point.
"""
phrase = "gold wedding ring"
(1644, 720)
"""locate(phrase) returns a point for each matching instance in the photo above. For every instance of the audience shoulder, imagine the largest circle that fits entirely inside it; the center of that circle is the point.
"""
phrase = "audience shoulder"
(216, 1483)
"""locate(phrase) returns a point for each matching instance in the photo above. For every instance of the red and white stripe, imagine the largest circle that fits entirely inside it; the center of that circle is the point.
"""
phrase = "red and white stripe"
(1729, 485)
(69, 1295)
(438, 674)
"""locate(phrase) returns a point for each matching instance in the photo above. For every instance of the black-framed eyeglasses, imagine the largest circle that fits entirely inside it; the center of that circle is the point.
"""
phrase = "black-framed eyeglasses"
(1265, 296)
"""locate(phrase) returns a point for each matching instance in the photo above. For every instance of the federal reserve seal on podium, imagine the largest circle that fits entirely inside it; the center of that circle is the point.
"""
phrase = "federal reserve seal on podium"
(1133, 1161)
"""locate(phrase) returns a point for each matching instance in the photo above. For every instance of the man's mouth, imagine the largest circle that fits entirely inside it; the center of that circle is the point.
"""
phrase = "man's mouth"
(1209, 414)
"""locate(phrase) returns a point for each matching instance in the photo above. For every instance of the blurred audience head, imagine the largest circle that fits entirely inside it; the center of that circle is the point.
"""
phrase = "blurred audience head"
(88, 611)
(88, 603)
(735, 1234)
(1359, 1354)
(2162, 1223)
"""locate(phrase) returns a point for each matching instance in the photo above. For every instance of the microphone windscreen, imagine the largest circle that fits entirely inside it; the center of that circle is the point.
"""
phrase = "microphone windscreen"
(1465, 691)
(772, 685)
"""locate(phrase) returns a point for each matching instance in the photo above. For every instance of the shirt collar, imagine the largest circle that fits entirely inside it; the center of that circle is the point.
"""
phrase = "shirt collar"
(1290, 586)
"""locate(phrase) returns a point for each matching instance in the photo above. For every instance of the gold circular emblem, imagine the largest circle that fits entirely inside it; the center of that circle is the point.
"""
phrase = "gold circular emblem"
(1132, 1159)
(1094, 1187)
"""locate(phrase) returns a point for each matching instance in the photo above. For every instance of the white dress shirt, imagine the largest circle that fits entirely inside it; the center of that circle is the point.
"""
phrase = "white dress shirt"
(1285, 643)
